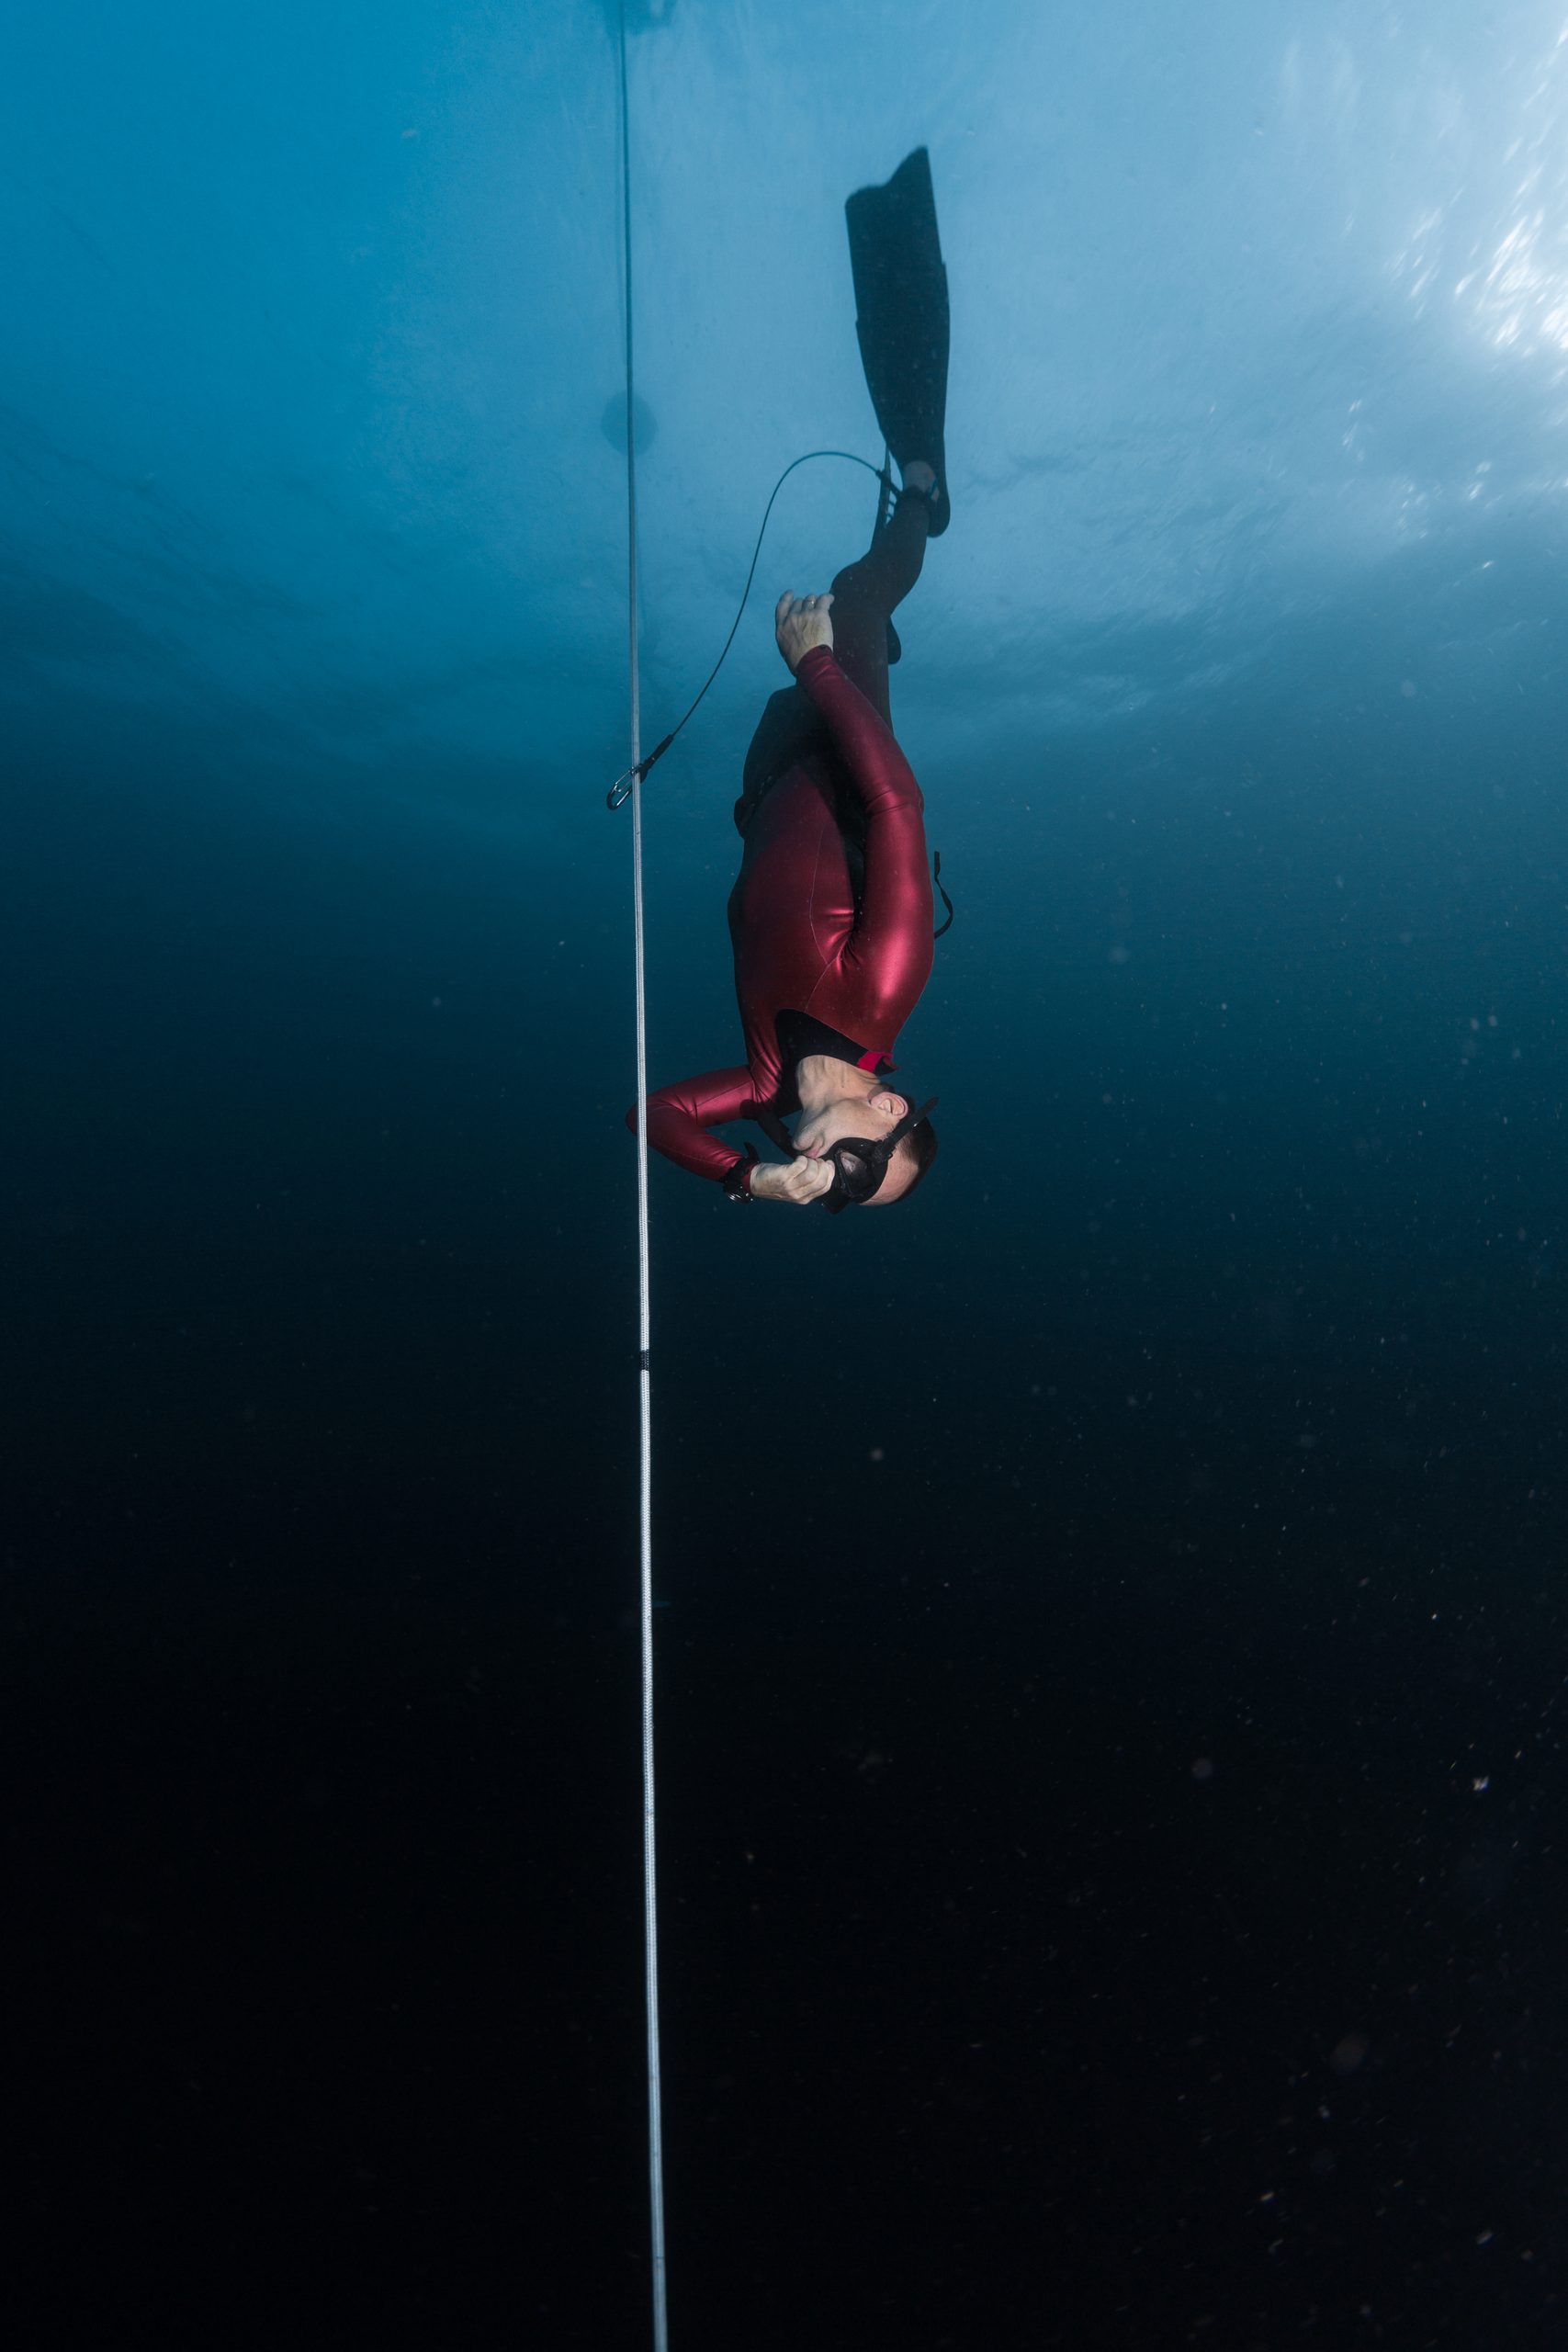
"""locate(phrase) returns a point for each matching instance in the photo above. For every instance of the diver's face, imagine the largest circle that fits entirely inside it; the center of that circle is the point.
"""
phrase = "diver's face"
(850, 1115)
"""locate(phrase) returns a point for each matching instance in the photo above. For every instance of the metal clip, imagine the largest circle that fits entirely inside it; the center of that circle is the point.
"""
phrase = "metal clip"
(620, 792)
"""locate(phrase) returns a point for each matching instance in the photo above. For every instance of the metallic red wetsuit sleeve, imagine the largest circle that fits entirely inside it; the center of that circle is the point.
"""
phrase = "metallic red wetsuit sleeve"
(679, 1118)
(890, 946)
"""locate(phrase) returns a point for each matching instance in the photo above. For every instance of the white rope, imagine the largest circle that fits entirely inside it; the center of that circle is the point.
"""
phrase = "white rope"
(649, 1893)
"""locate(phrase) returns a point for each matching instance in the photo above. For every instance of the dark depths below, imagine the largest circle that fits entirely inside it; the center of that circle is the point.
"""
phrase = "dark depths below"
(1112, 1687)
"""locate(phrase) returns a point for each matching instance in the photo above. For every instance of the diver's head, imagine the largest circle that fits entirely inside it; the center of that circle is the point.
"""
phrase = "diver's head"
(850, 1107)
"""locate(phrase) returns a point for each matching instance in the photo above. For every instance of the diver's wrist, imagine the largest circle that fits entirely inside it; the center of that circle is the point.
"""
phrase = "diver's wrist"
(738, 1180)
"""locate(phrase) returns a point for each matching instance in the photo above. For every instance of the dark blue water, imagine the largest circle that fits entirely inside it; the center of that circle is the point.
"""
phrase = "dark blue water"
(1114, 1674)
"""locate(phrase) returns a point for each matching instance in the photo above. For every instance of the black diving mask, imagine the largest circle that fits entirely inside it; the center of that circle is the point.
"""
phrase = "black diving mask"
(861, 1164)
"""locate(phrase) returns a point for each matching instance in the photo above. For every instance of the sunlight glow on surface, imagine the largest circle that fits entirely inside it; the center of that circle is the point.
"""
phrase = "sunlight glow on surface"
(1523, 298)
(1516, 284)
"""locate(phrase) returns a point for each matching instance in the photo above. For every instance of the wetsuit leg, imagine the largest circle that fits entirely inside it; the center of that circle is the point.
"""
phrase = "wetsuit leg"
(787, 731)
(864, 596)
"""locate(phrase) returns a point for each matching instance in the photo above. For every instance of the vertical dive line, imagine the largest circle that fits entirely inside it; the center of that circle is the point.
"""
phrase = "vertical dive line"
(644, 1483)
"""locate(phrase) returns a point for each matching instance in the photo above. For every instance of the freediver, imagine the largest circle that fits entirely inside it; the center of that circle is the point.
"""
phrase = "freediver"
(830, 916)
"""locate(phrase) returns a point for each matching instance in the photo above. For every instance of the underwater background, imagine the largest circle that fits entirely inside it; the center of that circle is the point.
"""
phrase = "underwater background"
(1113, 1673)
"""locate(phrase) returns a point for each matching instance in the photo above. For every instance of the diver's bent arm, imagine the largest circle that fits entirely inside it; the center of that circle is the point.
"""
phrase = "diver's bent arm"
(680, 1116)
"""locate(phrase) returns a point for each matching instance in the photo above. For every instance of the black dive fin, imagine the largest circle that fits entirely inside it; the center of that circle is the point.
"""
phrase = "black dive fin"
(901, 316)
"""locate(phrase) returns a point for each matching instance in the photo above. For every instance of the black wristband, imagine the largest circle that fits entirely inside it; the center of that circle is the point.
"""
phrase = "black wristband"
(738, 1182)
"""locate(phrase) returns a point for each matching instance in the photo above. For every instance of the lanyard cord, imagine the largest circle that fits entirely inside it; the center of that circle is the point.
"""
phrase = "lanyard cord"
(645, 1514)
(620, 791)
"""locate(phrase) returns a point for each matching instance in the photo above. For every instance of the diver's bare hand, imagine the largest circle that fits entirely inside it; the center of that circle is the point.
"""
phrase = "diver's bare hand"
(802, 1182)
(800, 623)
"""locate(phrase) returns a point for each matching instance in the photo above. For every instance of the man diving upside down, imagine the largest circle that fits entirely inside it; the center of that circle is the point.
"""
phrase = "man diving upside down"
(830, 917)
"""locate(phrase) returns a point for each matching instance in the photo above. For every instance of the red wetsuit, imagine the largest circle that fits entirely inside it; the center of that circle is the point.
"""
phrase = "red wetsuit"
(831, 913)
